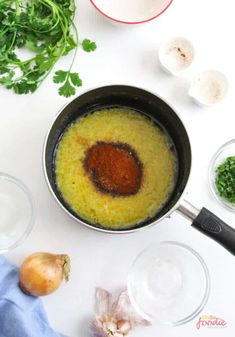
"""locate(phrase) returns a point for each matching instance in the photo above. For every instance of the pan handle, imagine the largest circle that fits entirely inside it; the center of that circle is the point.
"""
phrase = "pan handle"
(210, 225)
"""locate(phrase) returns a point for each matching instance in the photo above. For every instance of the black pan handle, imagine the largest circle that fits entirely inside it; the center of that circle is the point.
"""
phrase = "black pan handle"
(212, 226)
(209, 224)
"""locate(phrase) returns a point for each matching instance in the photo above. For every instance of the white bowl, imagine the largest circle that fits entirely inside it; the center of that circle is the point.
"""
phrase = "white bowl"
(176, 55)
(131, 11)
(209, 88)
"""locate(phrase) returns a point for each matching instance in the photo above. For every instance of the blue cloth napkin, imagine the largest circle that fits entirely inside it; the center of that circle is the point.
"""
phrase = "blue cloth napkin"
(20, 315)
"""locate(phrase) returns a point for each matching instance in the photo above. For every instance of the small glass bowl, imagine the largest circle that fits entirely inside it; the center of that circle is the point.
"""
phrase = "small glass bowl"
(169, 284)
(225, 151)
(17, 215)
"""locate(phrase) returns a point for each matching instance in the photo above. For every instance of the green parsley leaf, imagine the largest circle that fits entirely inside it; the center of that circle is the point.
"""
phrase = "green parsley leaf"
(75, 79)
(88, 45)
(60, 76)
(3, 70)
(33, 47)
(46, 65)
(67, 89)
(23, 87)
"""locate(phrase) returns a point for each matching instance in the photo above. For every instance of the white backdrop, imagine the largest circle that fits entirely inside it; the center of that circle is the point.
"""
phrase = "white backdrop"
(128, 57)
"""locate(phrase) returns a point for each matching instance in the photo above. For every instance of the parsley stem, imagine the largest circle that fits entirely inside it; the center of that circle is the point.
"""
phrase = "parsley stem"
(12, 42)
(17, 7)
(76, 50)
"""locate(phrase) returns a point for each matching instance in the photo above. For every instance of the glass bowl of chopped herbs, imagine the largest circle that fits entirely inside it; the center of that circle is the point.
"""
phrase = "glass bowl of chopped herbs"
(222, 175)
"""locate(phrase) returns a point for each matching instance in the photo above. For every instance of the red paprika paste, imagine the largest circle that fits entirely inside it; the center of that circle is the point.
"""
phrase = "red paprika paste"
(114, 168)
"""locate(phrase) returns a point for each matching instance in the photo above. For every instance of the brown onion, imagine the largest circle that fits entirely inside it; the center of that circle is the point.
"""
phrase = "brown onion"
(42, 273)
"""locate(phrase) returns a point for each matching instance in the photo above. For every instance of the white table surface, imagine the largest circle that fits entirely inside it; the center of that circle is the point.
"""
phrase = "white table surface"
(128, 57)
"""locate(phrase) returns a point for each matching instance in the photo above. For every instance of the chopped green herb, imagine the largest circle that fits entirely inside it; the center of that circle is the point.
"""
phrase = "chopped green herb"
(43, 27)
(225, 179)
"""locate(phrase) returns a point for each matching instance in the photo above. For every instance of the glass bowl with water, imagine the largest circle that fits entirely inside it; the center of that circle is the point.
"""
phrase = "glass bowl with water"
(169, 284)
(16, 212)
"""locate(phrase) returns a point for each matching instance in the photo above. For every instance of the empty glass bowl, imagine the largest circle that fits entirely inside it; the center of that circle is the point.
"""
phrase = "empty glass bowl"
(169, 283)
(225, 151)
(16, 212)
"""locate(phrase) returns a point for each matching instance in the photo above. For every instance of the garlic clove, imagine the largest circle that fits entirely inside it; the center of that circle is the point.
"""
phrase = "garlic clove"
(110, 326)
(124, 326)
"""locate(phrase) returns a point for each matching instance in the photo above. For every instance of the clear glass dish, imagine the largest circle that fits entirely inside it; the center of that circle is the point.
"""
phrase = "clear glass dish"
(169, 283)
(226, 150)
(17, 214)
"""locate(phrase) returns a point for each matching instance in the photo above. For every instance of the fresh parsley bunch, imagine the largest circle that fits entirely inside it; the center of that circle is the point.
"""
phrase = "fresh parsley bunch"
(43, 27)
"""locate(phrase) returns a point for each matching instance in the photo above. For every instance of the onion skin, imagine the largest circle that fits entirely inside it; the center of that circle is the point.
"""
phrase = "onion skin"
(42, 273)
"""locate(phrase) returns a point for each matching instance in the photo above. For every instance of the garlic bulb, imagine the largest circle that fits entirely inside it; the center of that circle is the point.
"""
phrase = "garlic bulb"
(115, 319)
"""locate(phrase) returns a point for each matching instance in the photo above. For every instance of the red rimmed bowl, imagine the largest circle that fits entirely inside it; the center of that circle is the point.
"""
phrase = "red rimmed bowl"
(131, 12)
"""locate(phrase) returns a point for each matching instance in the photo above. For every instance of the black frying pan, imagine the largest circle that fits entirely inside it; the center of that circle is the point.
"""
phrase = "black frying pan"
(165, 117)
